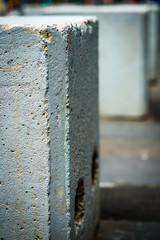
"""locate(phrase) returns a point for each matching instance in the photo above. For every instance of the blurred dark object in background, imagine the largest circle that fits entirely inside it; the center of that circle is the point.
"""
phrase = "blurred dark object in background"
(11, 7)
(86, 2)
(3, 7)
(13, 4)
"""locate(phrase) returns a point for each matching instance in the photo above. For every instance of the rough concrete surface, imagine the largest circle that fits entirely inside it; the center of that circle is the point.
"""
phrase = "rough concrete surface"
(49, 128)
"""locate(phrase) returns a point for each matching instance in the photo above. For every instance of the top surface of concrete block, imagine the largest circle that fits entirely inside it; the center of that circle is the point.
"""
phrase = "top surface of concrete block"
(151, 6)
(75, 9)
(63, 20)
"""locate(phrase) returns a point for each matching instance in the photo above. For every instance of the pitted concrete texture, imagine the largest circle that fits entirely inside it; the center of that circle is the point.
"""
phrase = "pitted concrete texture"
(49, 128)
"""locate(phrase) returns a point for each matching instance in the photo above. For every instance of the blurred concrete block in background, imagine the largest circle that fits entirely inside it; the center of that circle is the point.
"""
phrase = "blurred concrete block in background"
(49, 128)
(123, 86)
(153, 42)
(124, 53)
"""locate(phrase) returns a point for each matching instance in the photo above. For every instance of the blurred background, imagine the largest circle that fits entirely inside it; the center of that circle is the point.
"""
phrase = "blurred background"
(15, 5)
(129, 104)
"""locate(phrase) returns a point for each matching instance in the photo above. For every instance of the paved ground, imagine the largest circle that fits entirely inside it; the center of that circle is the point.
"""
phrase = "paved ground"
(124, 230)
(130, 176)
(130, 151)
(130, 202)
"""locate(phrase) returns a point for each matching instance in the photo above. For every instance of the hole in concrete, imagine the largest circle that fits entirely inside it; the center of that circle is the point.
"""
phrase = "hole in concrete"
(79, 203)
(37, 238)
(94, 167)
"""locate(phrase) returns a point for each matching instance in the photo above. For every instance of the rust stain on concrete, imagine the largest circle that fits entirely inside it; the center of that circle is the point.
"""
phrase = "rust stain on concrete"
(14, 68)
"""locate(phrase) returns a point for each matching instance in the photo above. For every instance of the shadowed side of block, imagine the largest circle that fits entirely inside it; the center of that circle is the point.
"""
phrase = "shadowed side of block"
(83, 127)
(76, 199)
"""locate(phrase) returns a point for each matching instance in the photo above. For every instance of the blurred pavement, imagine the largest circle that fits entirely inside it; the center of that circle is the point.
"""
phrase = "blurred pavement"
(130, 176)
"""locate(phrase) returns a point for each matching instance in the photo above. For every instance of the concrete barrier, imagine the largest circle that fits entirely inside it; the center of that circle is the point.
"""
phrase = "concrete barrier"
(127, 56)
(49, 128)
(153, 43)
(123, 78)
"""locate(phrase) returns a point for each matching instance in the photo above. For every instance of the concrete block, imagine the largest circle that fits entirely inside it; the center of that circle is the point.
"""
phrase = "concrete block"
(123, 79)
(153, 42)
(123, 55)
(49, 128)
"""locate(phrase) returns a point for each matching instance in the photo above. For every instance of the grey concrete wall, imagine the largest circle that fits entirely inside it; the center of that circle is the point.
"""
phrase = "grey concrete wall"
(49, 128)
(127, 57)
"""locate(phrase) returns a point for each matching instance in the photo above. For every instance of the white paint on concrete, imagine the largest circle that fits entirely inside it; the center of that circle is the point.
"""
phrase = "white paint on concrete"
(49, 126)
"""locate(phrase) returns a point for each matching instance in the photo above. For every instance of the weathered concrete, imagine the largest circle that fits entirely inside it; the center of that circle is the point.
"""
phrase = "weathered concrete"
(123, 57)
(49, 128)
